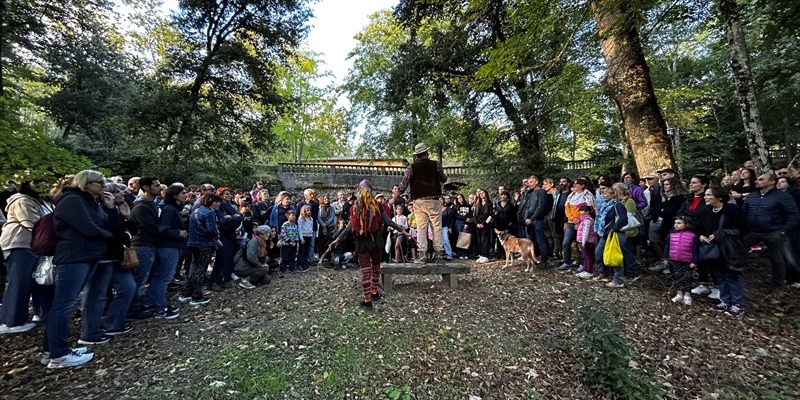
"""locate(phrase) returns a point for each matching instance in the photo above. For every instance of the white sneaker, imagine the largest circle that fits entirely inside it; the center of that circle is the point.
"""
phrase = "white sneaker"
(36, 318)
(245, 284)
(70, 360)
(17, 329)
(687, 299)
(585, 275)
(678, 297)
(46, 355)
(714, 294)
(482, 260)
(235, 277)
(701, 290)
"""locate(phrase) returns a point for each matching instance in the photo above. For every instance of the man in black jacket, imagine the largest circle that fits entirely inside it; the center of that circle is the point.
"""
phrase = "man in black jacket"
(145, 216)
(771, 214)
(535, 210)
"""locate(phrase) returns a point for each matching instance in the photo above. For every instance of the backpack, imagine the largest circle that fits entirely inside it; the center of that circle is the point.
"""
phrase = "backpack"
(44, 238)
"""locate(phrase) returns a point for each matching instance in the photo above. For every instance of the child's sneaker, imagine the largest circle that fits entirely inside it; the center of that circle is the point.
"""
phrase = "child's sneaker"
(678, 297)
(72, 359)
(687, 299)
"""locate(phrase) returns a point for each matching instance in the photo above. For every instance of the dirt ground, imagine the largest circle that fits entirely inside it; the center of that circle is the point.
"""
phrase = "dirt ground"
(502, 334)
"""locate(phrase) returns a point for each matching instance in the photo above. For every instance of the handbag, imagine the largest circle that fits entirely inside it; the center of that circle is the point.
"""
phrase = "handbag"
(633, 222)
(464, 240)
(43, 274)
(612, 253)
(711, 251)
(129, 258)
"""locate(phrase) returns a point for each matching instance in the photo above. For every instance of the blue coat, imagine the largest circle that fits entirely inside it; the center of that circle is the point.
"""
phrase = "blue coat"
(83, 227)
(770, 212)
(203, 230)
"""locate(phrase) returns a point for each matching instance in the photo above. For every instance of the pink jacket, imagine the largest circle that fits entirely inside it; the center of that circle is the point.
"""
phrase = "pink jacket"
(681, 246)
(586, 233)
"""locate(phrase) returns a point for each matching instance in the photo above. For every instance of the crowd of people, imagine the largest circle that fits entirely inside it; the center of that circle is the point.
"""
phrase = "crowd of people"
(202, 239)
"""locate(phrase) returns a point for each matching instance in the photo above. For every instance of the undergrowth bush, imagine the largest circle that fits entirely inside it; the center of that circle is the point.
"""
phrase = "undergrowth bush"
(607, 360)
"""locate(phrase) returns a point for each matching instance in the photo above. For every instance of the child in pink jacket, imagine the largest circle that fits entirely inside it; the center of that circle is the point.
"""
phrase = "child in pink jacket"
(681, 254)
(587, 238)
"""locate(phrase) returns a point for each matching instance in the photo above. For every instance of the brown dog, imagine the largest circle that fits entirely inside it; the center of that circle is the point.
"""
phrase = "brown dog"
(512, 244)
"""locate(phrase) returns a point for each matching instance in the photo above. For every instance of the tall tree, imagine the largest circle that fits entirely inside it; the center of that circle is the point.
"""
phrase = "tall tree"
(629, 85)
(745, 87)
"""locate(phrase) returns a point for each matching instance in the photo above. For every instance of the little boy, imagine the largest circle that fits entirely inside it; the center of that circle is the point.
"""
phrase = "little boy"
(289, 241)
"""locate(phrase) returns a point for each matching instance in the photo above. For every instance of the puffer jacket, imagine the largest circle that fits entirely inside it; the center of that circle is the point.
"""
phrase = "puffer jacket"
(83, 227)
(771, 211)
(203, 230)
(681, 246)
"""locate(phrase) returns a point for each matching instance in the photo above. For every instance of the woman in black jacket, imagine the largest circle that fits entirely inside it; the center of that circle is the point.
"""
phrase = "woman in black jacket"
(84, 219)
(483, 211)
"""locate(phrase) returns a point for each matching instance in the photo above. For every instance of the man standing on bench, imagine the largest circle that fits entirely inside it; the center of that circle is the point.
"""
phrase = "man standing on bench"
(367, 217)
(426, 178)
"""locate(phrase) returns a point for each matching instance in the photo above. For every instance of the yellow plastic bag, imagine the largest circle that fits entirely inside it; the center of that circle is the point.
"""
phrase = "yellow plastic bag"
(612, 253)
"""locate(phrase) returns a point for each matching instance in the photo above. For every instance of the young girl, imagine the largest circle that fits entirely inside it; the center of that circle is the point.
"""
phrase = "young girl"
(397, 237)
(305, 227)
(587, 238)
(289, 239)
(412, 224)
(682, 256)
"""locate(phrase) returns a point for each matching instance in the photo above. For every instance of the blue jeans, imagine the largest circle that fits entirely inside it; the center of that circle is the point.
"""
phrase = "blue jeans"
(94, 301)
(731, 285)
(147, 257)
(69, 280)
(223, 264)
(302, 253)
(20, 265)
(570, 234)
(541, 240)
(448, 250)
(124, 290)
(161, 276)
(619, 272)
(311, 247)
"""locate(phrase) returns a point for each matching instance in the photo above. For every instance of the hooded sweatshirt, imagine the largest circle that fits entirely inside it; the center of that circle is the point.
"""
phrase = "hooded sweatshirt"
(22, 212)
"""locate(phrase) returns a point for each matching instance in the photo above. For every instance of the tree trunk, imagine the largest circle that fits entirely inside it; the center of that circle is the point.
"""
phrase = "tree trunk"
(745, 88)
(628, 83)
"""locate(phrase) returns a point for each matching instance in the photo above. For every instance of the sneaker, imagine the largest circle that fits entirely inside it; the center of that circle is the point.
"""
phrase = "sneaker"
(735, 310)
(714, 295)
(722, 306)
(46, 355)
(598, 278)
(245, 284)
(701, 290)
(666, 271)
(580, 269)
(280, 274)
(421, 260)
(184, 298)
(564, 267)
(613, 284)
(447, 258)
(100, 340)
(178, 278)
(36, 318)
(585, 275)
(206, 291)
(678, 297)
(114, 332)
(72, 359)
(377, 296)
(174, 286)
(139, 315)
(235, 277)
(169, 313)
(200, 301)
(687, 299)
(367, 305)
(482, 260)
(17, 329)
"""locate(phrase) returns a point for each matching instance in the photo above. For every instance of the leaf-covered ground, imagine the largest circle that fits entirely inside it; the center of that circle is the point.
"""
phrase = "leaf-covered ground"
(502, 334)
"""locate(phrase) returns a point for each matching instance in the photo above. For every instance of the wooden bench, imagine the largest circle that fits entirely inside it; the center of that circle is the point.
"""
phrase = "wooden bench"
(447, 270)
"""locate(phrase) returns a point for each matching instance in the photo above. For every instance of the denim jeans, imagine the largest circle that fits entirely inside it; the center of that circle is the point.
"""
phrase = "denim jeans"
(448, 250)
(311, 247)
(69, 280)
(731, 285)
(538, 227)
(147, 258)
(160, 276)
(288, 256)
(223, 264)
(20, 265)
(619, 272)
(302, 253)
(570, 234)
(94, 300)
(124, 289)
(429, 216)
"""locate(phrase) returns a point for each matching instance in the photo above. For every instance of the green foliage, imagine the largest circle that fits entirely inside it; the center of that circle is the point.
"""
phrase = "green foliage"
(28, 155)
(607, 358)
(398, 393)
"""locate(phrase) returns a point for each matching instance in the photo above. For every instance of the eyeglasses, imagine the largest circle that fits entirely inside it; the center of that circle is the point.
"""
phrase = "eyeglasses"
(783, 172)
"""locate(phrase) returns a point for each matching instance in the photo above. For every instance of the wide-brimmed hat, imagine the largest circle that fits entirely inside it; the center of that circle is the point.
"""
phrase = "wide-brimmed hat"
(420, 148)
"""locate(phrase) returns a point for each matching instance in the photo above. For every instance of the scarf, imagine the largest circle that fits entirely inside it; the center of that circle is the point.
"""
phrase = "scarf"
(599, 222)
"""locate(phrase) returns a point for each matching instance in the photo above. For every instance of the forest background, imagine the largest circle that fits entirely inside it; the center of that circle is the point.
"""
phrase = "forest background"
(220, 87)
